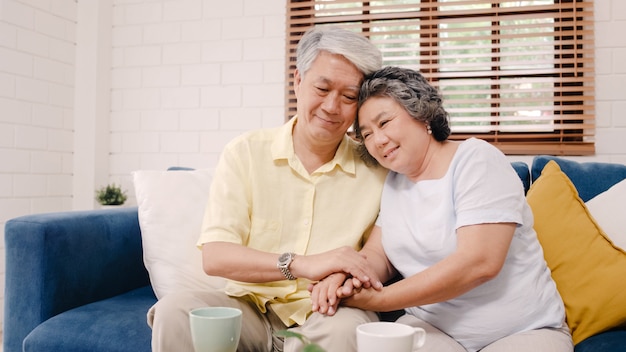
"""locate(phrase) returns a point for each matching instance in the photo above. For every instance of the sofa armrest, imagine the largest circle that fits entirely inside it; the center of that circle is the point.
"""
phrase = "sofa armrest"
(59, 261)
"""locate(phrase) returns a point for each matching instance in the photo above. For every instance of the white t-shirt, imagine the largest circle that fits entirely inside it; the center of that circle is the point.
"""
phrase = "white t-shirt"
(419, 222)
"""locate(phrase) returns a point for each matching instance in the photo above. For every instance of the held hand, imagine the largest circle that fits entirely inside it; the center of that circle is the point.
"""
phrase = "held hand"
(327, 294)
(324, 298)
(351, 286)
(341, 260)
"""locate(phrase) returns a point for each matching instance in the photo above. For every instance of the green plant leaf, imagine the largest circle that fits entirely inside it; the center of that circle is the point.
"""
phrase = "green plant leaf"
(308, 345)
(313, 348)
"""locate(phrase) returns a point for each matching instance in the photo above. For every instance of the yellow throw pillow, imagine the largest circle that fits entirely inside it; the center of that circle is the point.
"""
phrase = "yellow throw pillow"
(588, 270)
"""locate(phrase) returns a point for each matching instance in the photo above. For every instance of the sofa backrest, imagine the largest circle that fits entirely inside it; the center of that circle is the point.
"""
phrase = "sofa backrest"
(589, 178)
(523, 172)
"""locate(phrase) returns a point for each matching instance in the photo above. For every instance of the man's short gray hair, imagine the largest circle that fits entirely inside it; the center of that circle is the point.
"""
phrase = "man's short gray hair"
(353, 46)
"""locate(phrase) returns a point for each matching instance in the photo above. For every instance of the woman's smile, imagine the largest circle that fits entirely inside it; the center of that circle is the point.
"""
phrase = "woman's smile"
(390, 154)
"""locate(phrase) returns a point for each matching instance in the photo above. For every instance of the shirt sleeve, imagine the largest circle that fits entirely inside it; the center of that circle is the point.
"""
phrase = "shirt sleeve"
(487, 189)
(226, 215)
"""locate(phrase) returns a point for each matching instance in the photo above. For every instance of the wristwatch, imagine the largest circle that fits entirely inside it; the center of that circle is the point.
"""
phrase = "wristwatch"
(284, 261)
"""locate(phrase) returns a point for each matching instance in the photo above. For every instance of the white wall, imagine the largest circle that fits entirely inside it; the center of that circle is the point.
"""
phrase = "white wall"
(174, 80)
(610, 56)
(188, 76)
(92, 96)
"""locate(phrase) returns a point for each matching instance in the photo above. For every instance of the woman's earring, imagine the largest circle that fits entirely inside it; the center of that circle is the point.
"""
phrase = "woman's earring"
(429, 130)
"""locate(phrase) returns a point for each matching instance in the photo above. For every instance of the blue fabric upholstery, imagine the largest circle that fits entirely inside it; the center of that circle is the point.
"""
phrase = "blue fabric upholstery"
(116, 324)
(610, 341)
(590, 178)
(523, 172)
(59, 261)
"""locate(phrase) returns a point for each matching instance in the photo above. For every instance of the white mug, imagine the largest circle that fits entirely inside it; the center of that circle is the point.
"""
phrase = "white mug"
(215, 329)
(389, 336)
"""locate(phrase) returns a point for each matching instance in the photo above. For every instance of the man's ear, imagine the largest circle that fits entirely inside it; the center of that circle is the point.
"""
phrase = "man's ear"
(297, 80)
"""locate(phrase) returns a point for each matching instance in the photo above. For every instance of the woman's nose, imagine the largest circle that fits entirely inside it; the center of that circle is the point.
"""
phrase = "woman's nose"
(380, 138)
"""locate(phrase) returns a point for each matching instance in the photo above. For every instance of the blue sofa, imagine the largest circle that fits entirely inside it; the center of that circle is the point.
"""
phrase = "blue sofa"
(76, 282)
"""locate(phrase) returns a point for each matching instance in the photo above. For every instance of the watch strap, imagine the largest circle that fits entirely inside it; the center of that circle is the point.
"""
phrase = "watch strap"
(283, 266)
(285, 270)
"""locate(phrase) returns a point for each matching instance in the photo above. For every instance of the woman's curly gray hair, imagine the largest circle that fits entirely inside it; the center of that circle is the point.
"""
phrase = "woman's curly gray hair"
(413, 92)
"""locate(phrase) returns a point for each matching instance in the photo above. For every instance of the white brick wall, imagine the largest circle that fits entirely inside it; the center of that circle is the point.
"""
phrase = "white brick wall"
(186, 76)
(610, 21)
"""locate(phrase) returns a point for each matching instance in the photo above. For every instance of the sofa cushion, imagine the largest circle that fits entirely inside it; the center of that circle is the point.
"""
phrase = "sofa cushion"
(589, 178)
(588, 270)
(171, 207)
(607, 208)
(116, 324)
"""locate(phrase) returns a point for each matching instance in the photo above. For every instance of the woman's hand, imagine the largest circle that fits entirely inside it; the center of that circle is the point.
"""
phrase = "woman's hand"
(366, 298)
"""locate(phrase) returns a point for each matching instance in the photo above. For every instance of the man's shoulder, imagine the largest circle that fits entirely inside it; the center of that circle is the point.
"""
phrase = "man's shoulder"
(254, 137)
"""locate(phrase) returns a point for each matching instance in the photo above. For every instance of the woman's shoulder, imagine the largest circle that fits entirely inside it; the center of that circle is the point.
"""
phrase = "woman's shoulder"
(474, 153)
(476, 147)
(475, 143)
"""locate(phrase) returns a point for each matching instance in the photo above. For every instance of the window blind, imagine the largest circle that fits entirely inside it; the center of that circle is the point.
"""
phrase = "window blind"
(518, 74)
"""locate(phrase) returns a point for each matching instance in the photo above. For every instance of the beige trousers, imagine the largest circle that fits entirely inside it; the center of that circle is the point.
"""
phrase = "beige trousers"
(169, 320)
(540, 340)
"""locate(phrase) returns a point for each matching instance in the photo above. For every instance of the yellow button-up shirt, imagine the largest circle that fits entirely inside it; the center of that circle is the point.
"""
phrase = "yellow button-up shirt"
(262, 197)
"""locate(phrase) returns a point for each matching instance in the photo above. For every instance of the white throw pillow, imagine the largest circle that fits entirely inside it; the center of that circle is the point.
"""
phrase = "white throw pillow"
(171, 207)
(607, 208)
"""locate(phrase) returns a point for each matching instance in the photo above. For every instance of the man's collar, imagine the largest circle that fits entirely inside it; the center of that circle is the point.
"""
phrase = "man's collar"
(282, 148)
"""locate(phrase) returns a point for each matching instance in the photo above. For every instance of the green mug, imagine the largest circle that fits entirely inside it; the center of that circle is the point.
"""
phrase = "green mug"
(215, 329)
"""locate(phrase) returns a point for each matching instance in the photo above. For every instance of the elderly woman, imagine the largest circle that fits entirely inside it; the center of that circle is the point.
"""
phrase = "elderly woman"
(454, 223)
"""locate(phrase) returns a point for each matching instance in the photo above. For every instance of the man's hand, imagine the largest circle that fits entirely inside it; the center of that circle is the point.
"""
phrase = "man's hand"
(326, 294)
(345, 260)
(324, 298)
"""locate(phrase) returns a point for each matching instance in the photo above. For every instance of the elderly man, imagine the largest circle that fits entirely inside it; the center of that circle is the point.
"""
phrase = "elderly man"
(289, 206)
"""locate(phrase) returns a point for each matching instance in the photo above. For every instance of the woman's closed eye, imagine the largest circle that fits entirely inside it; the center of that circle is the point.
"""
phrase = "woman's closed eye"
(381, 124)
(365, 134)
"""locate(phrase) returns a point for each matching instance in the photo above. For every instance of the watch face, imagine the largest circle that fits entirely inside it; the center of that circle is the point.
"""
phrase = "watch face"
(284, 258)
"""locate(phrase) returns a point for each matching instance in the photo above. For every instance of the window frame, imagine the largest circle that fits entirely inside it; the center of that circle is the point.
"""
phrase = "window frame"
(573, 111)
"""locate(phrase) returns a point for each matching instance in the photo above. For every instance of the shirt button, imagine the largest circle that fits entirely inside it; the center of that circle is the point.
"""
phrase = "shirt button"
(306, 222)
